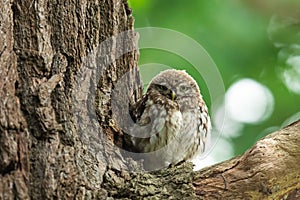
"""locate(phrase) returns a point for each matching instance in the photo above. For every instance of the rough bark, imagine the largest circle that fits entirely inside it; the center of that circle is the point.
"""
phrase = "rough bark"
(44, 45)
(14, 154)
(57, 127)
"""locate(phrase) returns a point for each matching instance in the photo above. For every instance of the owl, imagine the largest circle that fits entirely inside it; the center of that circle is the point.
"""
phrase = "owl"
(171, 121)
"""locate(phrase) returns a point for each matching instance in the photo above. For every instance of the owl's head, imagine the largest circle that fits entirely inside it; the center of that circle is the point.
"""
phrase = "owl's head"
(174, 85)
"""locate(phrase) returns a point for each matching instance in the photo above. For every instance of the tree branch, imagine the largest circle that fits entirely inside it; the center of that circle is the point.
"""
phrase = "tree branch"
(269, 170)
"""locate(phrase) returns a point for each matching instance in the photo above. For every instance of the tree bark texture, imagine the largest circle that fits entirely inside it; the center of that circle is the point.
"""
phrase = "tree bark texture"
(14, 140)
(43, 46)
(60, 139)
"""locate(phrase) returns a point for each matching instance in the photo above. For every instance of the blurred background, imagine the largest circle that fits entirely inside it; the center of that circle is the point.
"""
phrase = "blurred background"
(256, 48)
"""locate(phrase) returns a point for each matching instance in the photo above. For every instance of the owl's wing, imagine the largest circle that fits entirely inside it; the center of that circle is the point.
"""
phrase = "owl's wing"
(136, 110)
(204, 125)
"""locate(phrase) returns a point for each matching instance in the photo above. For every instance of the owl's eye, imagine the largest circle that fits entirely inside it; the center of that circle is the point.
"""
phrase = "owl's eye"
(162, 87)
(183, 88)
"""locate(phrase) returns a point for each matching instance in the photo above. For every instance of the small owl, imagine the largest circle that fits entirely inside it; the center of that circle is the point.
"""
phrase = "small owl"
(171, 121)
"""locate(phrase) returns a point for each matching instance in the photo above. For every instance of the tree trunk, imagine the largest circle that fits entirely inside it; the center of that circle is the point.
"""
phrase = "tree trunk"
(46, 47)
(64, 67)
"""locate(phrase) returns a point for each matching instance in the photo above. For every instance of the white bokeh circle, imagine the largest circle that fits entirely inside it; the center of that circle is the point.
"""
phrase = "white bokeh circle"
(248, 101)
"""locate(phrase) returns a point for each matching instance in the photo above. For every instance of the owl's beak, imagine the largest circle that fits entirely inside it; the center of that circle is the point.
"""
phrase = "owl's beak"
(173, 95)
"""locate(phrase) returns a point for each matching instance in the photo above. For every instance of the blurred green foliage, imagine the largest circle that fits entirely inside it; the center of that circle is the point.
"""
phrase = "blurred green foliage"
(236, 37)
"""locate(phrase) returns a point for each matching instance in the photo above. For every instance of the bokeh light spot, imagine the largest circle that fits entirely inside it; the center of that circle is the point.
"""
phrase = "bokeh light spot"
(248, 101)
(291, 75)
